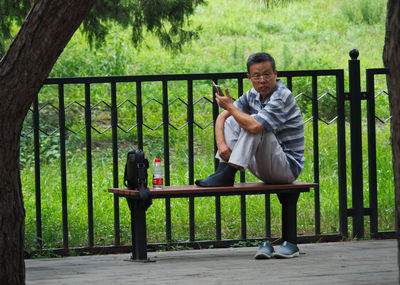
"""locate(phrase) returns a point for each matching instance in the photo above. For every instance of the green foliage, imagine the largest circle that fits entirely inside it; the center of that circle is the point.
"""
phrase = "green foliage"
(246, 243)
(167, 19)
(11, 12)
(96, 24)
(275, 3)
(287, 57)
(364, 11)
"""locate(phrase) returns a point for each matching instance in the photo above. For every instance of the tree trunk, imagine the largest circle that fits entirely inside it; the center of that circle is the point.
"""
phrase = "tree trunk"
(44, 34)
(391, 59)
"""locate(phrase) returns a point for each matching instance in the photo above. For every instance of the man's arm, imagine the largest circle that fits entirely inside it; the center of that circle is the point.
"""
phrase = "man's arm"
(244, 120)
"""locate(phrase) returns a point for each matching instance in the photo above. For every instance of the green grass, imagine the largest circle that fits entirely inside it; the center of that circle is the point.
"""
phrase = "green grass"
(204, 207)
(299, 34)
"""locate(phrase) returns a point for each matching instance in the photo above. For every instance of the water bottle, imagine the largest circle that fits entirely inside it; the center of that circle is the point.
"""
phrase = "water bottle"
(158, 180)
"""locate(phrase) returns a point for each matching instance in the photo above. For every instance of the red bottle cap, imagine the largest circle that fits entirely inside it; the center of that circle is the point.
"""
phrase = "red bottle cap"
(157, 160)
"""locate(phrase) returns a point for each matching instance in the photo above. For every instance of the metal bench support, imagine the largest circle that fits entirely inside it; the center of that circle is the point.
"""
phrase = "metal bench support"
(289, 216)
(138, 227)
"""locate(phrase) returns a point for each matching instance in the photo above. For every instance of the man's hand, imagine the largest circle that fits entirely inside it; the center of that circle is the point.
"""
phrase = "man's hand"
(224, 151)
(225, 102)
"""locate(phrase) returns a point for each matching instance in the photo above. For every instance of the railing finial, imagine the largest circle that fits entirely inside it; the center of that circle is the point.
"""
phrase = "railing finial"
(354, 53)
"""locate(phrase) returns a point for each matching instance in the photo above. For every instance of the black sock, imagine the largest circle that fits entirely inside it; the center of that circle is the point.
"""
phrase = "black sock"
(226, 177)
(221, 166)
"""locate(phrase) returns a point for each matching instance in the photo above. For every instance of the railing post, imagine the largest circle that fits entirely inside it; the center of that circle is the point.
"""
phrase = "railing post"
(341, 141)
(315, 112)
(217, 197)
(190, 119)
(114, 126)
(166, 159)
(89, 165)
(373, 193)
(356, 145)
(63, 161)
(38, 195)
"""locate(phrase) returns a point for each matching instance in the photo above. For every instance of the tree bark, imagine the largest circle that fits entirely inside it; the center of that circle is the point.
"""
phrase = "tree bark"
(44, 34)
(391, 59)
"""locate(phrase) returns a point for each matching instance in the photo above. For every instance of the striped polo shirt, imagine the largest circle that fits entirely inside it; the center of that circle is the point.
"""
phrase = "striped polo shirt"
(281, 115)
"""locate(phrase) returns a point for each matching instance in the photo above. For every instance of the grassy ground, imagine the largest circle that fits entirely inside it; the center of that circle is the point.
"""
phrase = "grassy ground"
(299, 34)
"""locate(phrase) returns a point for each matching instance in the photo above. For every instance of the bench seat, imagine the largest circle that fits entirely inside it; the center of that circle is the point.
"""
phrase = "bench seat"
(236, 189)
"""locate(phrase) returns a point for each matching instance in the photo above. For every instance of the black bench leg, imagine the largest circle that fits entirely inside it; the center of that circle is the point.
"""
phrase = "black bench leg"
(289, 217)
(138, 227)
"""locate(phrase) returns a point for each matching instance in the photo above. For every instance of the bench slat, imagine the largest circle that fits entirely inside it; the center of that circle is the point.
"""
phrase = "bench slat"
(237, 189)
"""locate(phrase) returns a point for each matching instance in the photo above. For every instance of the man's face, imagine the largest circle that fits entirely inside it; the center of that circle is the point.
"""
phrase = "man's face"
(263, 77)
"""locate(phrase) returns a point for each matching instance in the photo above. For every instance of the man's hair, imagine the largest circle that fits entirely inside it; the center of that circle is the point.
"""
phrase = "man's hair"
(258, 58)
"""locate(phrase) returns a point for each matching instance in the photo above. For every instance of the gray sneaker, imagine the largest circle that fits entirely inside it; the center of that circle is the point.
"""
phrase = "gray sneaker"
(287, 250)
(265, 251)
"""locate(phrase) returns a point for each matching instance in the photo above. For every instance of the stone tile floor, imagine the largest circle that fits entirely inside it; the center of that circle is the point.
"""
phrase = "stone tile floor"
(352, 262)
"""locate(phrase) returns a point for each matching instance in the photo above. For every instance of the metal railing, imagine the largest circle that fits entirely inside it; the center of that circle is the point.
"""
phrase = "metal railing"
(372, 211)
(355, 96)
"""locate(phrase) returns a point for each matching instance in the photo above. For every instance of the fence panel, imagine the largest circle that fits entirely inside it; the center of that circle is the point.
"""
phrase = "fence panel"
(290, 77)
(372, 118)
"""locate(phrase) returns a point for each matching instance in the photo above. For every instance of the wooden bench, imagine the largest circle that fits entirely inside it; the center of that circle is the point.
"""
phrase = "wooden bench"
(288, 195)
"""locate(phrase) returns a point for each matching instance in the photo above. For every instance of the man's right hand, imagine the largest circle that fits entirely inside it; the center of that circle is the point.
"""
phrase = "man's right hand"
(224, 151)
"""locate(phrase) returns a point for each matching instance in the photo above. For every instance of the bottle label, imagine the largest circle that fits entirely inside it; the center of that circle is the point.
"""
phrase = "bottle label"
(158, 181)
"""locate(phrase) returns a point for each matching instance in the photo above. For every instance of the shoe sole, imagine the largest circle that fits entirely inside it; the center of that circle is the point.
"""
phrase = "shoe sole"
(262, 256)
(280, 255)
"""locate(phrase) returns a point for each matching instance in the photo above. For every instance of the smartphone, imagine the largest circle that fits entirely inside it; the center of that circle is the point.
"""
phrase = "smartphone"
(217, 89)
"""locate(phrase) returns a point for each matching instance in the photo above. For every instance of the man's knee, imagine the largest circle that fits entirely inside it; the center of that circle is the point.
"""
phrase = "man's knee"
(231, 123)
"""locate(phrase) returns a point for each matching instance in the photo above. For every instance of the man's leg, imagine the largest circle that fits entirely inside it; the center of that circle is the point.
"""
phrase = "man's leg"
(232, 131)
(243, 145)
(270, 163)
(261, 153)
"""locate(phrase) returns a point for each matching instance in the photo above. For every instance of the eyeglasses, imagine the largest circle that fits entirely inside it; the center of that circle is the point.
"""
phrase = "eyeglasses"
(258, 77)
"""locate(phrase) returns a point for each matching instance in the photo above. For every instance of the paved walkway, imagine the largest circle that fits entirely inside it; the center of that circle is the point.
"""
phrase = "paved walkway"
(354, 262)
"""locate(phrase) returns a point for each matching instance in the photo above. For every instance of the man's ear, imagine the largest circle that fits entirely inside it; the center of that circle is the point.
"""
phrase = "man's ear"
(249, 77)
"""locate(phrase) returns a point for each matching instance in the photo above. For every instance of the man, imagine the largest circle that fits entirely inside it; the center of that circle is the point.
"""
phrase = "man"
(262, 131)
